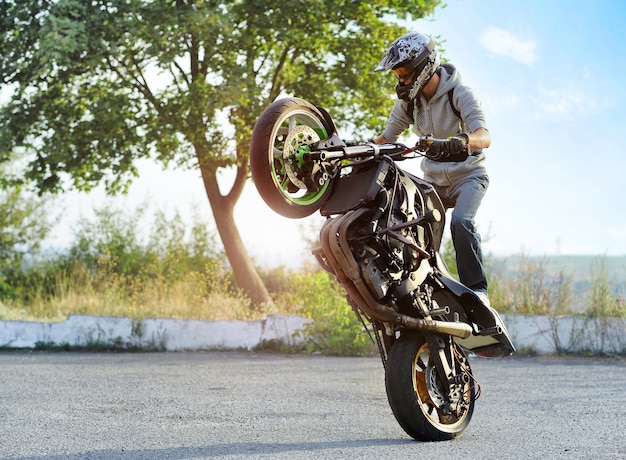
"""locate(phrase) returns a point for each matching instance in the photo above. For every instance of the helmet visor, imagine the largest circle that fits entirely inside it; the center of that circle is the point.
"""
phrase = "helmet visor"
(404, 74)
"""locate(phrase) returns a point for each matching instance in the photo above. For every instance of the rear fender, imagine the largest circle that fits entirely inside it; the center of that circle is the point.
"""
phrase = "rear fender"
(484, 317)
(328, 121)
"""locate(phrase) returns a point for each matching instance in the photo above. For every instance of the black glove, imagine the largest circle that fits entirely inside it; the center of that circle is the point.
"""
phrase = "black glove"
(459, 144)
(454, 149)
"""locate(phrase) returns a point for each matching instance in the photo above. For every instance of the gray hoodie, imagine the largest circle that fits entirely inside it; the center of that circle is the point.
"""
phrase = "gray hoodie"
(437, 118)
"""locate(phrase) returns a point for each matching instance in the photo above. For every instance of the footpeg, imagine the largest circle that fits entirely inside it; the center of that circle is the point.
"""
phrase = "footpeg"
(489, 331)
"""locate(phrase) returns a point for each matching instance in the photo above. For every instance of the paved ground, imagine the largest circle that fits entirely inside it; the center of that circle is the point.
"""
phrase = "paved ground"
(246, 405)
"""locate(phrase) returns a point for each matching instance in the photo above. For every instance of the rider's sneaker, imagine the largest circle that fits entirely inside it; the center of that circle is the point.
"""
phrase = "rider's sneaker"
(482, 295)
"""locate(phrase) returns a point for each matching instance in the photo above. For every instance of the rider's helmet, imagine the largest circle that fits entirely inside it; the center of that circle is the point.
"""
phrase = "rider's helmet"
(418, 54)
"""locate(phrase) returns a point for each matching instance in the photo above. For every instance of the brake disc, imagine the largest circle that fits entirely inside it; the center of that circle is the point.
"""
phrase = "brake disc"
(297, 137)
(434, 391)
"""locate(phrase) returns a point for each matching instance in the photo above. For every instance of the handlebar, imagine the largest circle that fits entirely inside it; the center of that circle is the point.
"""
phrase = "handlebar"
(360, 150)
(336, 148)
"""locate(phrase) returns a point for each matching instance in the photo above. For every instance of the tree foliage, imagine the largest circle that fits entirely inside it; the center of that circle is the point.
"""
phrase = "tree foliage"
(98, 84)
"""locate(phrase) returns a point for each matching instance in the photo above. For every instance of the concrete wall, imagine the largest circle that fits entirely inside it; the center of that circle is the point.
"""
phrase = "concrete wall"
(537, 334)
(151, 334)
(548, 335)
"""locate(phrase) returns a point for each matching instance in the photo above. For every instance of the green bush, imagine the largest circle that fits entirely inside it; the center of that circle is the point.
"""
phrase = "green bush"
(24, 224)
(335, 329)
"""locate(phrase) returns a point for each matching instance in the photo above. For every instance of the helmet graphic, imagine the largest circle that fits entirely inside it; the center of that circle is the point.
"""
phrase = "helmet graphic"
(418, 53)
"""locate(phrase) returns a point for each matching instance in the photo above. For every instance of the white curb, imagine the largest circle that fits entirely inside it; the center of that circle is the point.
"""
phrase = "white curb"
(536, 334)
(156, 334)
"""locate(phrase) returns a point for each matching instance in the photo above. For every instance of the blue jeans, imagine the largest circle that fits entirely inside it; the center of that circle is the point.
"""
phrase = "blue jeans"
(465, 197)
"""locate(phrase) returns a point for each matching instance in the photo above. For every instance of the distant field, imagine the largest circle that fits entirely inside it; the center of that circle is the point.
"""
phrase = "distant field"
(578, 267)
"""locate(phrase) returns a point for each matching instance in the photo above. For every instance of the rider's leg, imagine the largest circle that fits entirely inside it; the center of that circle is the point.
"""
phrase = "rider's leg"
(467, 242)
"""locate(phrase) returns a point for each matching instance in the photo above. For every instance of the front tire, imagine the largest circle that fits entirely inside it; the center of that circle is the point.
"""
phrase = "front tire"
(288, 184)
(416, 396)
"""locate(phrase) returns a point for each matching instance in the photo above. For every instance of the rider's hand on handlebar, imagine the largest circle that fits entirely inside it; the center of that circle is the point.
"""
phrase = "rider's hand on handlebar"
(459, 143)
(454, 149)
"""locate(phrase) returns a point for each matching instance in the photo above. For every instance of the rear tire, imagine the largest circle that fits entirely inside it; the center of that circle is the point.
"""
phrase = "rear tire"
(289, 185)
(415, 396)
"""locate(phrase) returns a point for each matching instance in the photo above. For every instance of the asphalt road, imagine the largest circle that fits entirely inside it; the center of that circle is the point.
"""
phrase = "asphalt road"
(246, 405)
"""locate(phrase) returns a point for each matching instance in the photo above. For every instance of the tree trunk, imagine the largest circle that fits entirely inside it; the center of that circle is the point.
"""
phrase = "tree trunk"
(223, 206)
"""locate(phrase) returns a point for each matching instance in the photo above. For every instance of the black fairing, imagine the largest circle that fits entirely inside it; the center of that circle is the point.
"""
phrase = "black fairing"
(357, 189)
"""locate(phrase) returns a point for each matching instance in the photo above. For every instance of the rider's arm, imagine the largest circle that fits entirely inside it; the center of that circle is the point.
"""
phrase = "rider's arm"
(381, 140)
(398, 122)
(479, 139)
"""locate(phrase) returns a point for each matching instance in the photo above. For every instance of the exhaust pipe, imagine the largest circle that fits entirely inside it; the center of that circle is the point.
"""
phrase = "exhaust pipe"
(456, 329)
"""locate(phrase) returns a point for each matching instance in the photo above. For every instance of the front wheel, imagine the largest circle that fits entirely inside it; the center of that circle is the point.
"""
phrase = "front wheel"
(422, 405)
(289, 184)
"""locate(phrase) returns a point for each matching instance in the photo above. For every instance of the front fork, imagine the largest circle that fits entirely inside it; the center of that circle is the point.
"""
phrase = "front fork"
(442, 349)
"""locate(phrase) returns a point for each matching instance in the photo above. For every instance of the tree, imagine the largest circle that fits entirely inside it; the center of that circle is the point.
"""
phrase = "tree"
(98, 84)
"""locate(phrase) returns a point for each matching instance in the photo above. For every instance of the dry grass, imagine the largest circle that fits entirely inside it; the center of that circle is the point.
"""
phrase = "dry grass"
(193, 295)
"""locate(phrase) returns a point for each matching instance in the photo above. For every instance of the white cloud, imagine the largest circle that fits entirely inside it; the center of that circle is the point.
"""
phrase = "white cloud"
(504, 43)
(567, 101)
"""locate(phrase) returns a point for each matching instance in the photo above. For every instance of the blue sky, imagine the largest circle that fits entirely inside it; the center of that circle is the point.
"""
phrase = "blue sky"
(551, 76)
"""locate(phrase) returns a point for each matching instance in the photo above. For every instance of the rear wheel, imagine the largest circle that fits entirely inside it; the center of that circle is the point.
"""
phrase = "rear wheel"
(289, 184)
(417, 396)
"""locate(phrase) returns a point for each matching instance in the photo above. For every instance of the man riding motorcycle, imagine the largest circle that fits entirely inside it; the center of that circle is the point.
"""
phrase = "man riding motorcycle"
(434, 101)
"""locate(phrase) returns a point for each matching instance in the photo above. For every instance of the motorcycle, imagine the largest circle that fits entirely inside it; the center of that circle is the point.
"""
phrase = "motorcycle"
(381, 240)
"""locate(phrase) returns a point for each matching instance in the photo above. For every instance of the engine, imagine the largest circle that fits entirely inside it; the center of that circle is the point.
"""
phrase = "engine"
(392, 265)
